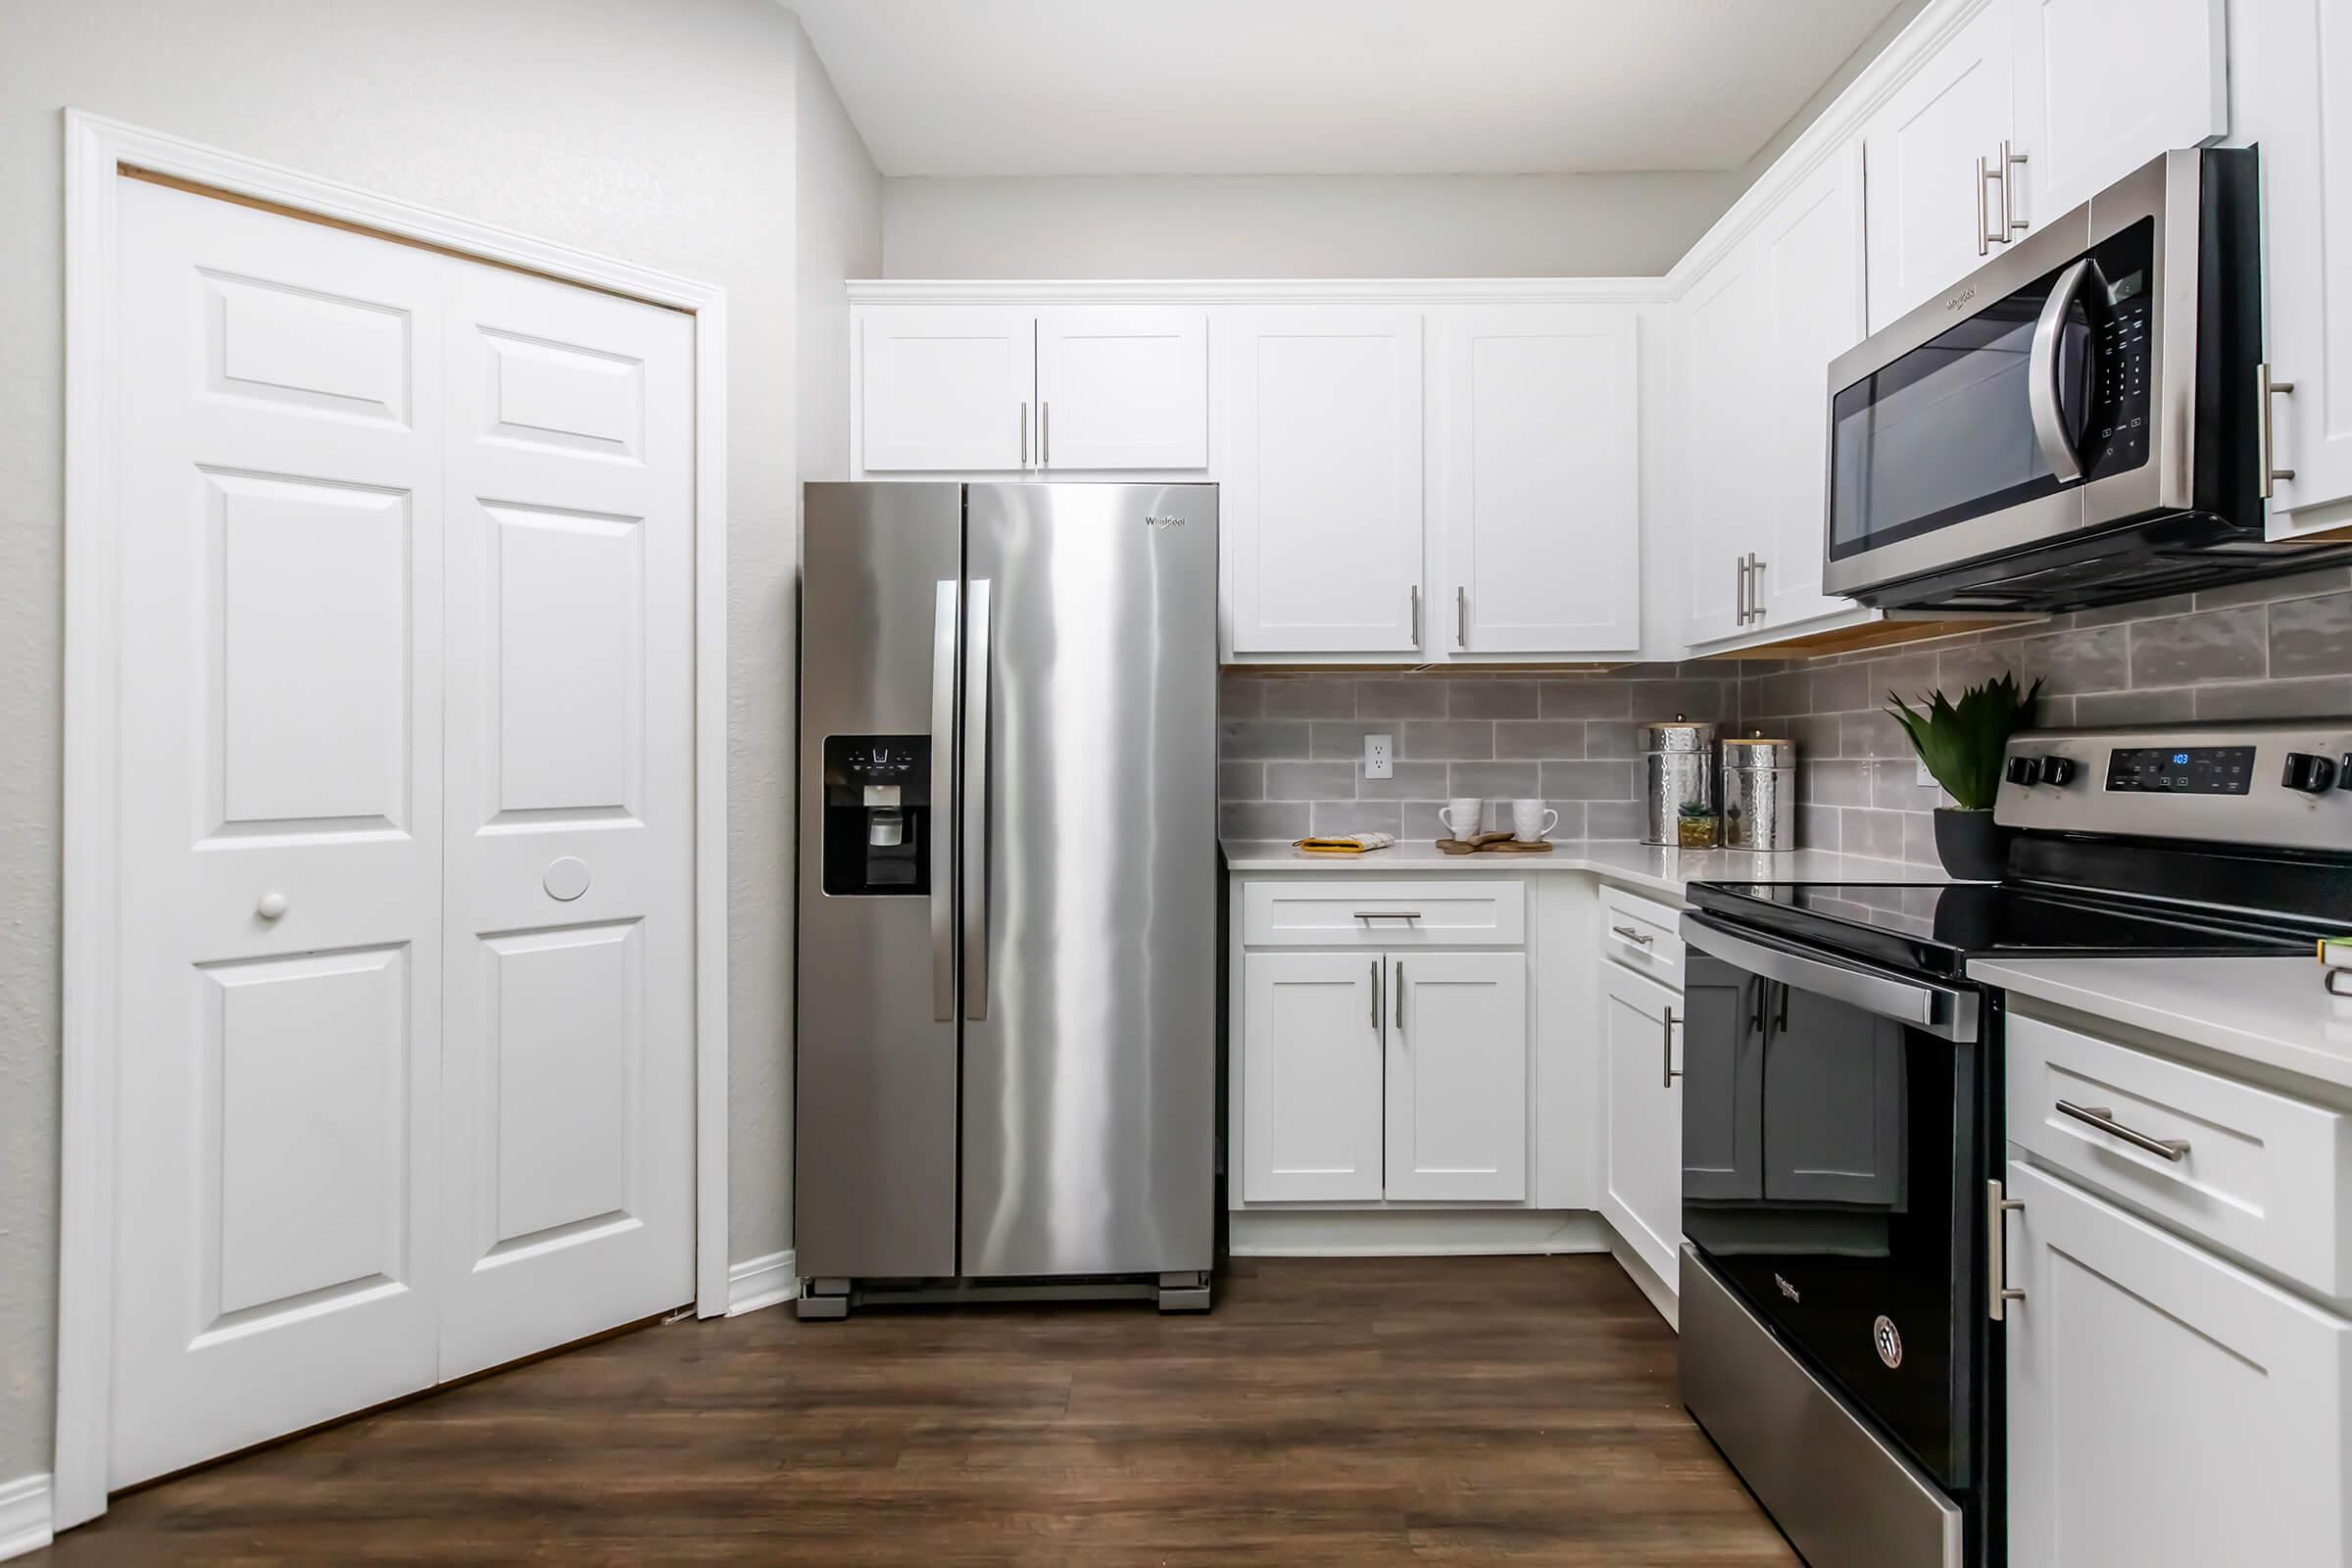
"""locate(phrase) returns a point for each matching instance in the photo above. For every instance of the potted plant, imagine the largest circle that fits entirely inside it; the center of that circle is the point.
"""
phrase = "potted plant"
(1963, 745)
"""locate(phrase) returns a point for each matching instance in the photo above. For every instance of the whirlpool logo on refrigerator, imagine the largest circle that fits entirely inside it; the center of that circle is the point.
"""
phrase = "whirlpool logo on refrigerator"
(1155, 519)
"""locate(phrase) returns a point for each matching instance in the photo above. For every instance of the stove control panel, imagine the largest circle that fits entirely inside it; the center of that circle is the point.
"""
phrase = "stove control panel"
(2286, 783)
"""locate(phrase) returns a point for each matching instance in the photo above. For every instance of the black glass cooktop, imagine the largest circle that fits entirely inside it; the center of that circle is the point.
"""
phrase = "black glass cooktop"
(1936, 928)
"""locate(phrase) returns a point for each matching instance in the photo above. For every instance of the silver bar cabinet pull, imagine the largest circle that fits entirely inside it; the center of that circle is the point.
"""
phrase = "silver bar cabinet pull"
(1416, 603)
(1045, 435)
(1374, 996)
(1984, 238)
(1998, 1292)
(2011, 223)
(1388, 914)
(2099, 1116)
(1756, 586)
(1670, 1072)
(1461, 617)
(1400, 998)
(2265, 429)
(1740, 593)
(1024, 435)
(1643, 938)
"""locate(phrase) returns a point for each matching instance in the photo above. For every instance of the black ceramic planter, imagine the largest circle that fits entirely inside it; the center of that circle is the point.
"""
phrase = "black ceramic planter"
(1972, 846)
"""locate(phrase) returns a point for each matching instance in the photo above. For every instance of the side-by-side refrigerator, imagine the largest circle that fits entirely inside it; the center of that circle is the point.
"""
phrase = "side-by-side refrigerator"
(1005, 1074)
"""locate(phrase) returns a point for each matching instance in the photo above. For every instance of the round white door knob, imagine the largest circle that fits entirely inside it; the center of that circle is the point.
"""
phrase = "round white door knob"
(566, 879)
(271, 906)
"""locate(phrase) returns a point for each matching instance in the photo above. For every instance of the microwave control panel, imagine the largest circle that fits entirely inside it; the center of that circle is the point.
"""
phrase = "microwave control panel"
(2118, 437)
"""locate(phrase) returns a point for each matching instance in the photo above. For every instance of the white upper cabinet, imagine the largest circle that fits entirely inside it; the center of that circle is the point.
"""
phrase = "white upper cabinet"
(945, 388)
(2103, 87)
(1933, 155)
(1322, 470)
(1537, 480)
(1457, 1076)
(1813, 260)
(1727, 436)
(1122, 386)
(2290, 65)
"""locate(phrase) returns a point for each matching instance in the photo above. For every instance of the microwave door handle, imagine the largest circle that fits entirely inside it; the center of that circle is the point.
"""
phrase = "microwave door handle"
(2041, 376)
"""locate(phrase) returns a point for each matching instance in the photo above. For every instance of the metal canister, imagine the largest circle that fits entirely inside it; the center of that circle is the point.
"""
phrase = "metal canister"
(1759, 793)
(1677, 764)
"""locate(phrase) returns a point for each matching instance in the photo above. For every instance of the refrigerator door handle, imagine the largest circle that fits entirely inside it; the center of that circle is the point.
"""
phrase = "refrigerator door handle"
(976, 813)
(943, 784)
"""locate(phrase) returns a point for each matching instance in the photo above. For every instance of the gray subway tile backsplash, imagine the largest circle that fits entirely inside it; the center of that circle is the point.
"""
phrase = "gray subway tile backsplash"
(2252, 651)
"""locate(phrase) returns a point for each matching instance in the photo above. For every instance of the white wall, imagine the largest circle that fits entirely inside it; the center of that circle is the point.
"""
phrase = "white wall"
(1439, 226)
(662, 134)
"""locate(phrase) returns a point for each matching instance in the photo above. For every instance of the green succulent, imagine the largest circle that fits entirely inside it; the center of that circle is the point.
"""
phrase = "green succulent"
(1963, 743)
(1696, 810)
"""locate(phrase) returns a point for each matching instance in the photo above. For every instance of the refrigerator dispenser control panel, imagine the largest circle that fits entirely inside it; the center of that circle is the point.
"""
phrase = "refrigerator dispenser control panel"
(878, 821)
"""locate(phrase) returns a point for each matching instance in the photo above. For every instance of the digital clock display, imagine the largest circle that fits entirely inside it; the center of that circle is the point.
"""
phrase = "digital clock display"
(2196, 770)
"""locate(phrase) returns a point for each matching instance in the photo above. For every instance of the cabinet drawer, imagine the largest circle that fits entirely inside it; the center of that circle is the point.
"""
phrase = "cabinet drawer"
(2263, 1175)
(1360, 912)
(1642, 934)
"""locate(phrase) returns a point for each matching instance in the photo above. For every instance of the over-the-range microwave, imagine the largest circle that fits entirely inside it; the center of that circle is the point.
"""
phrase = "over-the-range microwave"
(2082, 422)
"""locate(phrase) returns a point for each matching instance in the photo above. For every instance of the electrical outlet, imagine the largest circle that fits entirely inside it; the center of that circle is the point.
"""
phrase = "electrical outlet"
(1380, 757)
(1926, 780)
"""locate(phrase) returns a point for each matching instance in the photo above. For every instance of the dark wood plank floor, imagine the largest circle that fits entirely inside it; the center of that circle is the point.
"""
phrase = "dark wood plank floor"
(1342, 1411)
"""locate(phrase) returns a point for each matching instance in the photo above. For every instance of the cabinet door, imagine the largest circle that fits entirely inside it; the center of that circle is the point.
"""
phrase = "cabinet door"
(1311, 1036)
(1813, 259)
(946, 387)
(1726, 436)
(2290, 66)
(1458, 1076)
(1931, 216)
(2103, 87)
(1122, 386)
(1643, 1194)
(1322, 494)
(1539, 479)
(2164, 1407)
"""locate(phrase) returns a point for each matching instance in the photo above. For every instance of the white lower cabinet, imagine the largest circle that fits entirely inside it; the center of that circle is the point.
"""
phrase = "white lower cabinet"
(1312, 1077)
(1382, 1051)
(2166, 1408)
(1458, 1076)
(1642, 1191)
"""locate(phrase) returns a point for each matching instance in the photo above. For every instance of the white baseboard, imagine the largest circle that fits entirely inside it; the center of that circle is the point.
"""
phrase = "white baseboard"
(758, 1282)
(1662, 1296)
(24, 1516)
(1414, 1233)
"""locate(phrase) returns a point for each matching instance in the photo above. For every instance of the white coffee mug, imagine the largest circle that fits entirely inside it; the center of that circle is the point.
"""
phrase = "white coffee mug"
(1531, 820)
(1462, 814)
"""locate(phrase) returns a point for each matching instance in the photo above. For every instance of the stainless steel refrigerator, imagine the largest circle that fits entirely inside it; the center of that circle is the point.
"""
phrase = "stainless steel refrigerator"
(1006, 1046)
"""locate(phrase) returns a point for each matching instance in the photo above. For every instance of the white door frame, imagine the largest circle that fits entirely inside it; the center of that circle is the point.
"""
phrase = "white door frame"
(96, 151)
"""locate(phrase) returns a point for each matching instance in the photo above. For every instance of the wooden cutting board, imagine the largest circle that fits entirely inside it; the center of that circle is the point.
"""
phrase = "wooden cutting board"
(1493, 844)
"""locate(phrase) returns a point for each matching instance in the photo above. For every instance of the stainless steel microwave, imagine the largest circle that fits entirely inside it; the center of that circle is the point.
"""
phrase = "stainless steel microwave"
(2080, 422)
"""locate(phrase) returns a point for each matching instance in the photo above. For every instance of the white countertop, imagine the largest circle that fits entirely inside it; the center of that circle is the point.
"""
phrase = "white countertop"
(2267, 1011)
(1661, 870)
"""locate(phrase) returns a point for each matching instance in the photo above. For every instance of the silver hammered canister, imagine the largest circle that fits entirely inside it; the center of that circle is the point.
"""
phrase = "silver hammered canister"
(1759, 794)
(1677, 781)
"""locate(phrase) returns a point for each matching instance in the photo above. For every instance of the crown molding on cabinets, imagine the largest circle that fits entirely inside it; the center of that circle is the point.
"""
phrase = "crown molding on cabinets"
(1836, 126)
(1260, 291)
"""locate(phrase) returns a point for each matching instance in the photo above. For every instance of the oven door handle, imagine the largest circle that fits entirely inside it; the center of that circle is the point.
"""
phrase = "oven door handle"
(1937, 1009)
(2041, 376)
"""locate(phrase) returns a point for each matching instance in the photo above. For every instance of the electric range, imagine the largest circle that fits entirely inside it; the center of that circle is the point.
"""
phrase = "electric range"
(1842, 1108)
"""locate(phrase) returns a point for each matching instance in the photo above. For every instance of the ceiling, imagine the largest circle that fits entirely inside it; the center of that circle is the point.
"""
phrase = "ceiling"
(977, 87)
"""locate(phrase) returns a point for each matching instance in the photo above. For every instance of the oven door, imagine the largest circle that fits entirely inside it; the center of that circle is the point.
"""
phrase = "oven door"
(2051, 392)
(1831, 1145)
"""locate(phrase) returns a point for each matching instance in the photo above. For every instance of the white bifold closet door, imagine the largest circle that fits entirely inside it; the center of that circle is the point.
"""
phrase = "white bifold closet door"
(405, 1062)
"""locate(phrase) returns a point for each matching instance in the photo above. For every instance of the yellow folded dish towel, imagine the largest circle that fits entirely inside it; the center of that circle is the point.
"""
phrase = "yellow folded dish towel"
(1345, 844)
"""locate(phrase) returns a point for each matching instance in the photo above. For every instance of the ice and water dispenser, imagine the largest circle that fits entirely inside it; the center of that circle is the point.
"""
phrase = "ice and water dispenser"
(878, 821)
